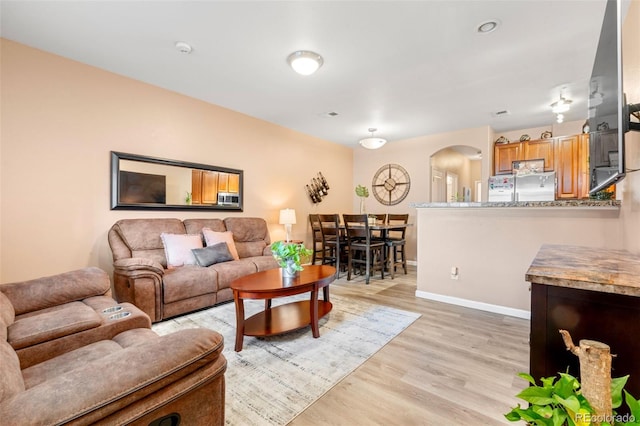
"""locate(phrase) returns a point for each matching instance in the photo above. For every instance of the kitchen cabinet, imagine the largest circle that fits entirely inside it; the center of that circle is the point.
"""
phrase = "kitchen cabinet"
(606, 142)
(229, 182)
(204, 187)
(505, 155)
(540, 149)
(568, 167)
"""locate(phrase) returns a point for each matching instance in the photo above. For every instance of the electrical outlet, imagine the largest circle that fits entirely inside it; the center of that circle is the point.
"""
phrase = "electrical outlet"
(454, 273)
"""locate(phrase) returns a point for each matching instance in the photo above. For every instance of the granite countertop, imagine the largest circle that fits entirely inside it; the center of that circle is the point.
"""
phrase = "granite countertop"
(586, 268)
(579, 204)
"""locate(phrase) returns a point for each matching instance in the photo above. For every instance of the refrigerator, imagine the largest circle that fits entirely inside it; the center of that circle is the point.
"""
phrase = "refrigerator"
(501, 188)
(536, 187)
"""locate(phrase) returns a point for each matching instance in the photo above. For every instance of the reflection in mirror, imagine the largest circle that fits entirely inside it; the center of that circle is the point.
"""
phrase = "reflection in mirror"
(456, 174)
(139, 182)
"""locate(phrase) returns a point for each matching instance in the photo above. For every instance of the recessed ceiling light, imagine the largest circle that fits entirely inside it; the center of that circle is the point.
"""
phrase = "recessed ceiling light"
(305, 62)
(488, 26)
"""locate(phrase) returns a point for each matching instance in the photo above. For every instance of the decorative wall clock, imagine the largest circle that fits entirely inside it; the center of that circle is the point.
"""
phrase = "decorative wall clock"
(391, 184)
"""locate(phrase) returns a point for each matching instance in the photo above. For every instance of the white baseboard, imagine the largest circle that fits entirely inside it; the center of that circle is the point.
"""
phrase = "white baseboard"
(518, 313)
(412, 262)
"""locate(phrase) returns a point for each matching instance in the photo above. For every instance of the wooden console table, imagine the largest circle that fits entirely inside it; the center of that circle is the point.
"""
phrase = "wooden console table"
(594, 294)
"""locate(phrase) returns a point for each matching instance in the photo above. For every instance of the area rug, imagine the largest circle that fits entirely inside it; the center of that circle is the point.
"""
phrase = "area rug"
(273, 379)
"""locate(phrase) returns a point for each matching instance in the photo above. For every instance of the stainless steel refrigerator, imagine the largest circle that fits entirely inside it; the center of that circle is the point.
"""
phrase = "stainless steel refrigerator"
(536, 187)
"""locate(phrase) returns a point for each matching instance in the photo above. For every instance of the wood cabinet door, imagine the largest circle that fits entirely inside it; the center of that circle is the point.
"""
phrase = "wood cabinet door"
(504, 155)
(196, 186)
(209, 187)
(234, 183)
(540, 149)
(223, 182)
(583, 166)
(567, 166)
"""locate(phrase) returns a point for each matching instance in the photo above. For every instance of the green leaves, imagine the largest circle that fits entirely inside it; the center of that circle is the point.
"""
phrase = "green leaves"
(289, 251)
(554, 403)
(558, 401)
(362, 191)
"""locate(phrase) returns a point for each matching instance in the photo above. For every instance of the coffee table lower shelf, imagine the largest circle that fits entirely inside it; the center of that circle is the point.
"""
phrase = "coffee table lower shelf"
(283, 318)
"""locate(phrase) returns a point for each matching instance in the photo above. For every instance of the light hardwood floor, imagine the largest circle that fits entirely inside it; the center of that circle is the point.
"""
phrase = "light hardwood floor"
(453, 366)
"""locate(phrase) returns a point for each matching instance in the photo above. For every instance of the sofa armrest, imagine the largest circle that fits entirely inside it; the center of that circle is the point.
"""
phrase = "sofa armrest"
(118, 381)
(41, 293)
(139, 281)
(138, 264)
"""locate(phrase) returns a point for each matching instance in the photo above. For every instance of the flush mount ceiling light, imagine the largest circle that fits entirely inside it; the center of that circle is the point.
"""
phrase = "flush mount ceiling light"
(372, 142)
(305, 62)
(183, 47)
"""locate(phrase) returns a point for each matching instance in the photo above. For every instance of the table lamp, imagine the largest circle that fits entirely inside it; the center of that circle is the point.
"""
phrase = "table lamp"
(287, 218)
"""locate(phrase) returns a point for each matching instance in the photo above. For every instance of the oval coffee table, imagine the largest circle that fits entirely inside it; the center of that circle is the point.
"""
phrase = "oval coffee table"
(269, 285)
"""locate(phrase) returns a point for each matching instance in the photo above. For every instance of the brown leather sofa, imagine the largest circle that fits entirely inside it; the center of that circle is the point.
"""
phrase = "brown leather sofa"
(69, 354)
(141, 276)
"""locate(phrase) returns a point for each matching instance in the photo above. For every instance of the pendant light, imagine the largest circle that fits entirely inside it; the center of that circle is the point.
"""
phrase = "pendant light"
(372, 142)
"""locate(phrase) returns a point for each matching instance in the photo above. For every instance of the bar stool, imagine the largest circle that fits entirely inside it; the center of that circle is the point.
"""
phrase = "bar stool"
(333, 243)
(396, 243)
(362, 250)
(318, 247)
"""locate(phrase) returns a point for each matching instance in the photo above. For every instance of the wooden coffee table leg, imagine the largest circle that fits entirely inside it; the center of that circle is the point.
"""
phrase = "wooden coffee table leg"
(239, 321)
(313, 306)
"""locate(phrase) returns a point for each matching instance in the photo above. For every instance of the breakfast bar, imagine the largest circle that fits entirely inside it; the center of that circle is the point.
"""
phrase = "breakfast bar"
(593, 293)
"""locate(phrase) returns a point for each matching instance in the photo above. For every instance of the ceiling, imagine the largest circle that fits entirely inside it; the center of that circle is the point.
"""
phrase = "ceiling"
(407, 68)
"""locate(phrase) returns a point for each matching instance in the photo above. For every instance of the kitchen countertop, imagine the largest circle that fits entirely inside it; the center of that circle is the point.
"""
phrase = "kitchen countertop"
(586, 268)
(576, 204)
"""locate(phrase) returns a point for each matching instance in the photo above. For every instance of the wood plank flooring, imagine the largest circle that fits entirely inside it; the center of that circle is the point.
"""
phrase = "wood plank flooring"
(453, 366)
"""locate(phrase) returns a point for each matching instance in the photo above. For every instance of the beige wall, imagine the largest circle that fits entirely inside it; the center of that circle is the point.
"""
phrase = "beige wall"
(494, 247)
(60, 120)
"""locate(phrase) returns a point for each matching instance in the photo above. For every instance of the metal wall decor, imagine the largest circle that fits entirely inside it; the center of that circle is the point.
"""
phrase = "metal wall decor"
(391, 184)
(317, 189)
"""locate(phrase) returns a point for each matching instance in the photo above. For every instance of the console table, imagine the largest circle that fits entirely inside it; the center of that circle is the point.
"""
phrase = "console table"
(594, 294)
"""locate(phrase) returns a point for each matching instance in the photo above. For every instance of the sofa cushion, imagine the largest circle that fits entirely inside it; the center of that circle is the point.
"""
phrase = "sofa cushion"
(189, 281)
(177, 248)
(229, 271)
(209, 255)
(52, 323)
(213, 237)
(11, 382)
(195, 226)
(250, 233)
(142, 236)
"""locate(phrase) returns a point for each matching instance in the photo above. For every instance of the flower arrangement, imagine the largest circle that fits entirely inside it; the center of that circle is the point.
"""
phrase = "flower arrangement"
(362, 192)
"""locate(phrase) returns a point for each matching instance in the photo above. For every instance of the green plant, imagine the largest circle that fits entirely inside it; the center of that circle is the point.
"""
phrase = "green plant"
(286, 252)
(559, 402)
(187, 199)
(362, 191)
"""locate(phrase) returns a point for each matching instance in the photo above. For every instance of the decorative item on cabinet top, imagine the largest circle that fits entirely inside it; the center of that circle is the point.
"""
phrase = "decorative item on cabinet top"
(501, 140)
(546, 135)
(317, 189)
(525, 138)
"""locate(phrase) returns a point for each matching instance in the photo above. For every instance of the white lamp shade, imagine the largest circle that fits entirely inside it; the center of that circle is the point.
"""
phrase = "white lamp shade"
(287, 217)
(372, 143)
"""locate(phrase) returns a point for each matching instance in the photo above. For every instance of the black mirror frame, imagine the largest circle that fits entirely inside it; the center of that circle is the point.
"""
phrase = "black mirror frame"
(115, 174)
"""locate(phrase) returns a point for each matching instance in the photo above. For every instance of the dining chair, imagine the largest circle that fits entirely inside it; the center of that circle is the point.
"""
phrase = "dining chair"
(396, 242)
(318, 247)
(333, 242)
(362, 251)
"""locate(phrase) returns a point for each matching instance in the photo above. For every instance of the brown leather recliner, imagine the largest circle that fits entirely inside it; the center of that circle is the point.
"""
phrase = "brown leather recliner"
(69, 354)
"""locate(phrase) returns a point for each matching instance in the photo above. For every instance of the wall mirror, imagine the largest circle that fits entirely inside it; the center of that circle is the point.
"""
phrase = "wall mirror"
(141, 183)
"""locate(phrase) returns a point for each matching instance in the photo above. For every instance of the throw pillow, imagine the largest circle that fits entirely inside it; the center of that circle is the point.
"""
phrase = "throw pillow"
(209, 255)
(212, 237)
(177, 248)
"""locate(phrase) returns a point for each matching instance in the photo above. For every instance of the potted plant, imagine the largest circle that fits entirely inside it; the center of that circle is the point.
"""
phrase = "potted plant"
(559, 402)
(363, 193)
(289, 256)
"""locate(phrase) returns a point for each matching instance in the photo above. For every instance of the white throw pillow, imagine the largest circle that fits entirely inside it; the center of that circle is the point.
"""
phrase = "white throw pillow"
(212, 237)
(177, 248)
